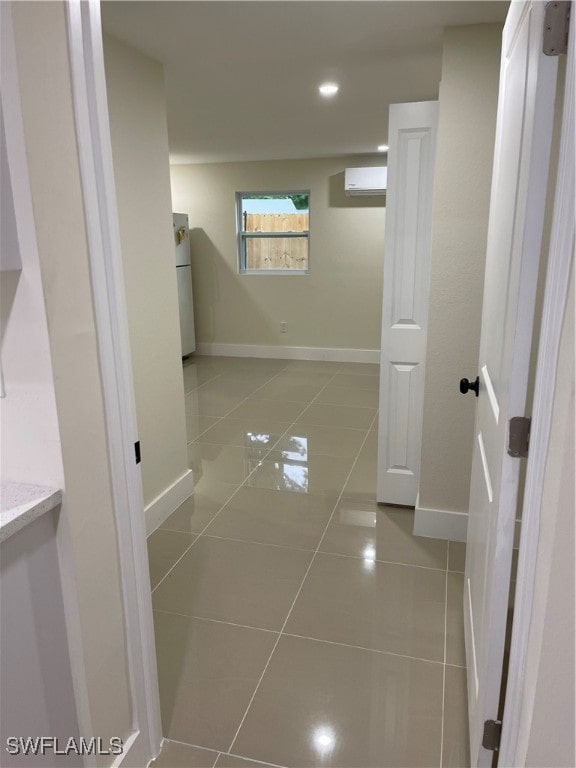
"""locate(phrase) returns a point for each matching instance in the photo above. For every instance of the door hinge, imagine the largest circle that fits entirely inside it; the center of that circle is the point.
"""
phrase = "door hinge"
(519, 437)
(137, 452)
(556, 26)
(492, 734)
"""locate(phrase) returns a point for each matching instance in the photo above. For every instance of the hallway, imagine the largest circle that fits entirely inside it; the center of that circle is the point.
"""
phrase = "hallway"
(298, 623)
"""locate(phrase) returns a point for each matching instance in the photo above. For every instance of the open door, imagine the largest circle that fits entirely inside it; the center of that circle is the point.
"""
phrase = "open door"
(407, 252)
(519, 184)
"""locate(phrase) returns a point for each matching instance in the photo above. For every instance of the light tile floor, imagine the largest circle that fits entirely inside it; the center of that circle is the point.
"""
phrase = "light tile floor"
(297, 622)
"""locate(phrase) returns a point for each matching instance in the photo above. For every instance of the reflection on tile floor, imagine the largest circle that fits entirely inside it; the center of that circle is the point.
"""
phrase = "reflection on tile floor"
(297, 622)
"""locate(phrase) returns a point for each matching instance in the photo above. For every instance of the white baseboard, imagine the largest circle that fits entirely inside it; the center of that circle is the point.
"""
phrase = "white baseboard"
(440, 524)
(168, 501)
(330, 354)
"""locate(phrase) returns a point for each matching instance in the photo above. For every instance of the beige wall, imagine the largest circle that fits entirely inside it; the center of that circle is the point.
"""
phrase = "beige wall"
(466, 128)
(337, 305)
(138, 127)
(99, 650)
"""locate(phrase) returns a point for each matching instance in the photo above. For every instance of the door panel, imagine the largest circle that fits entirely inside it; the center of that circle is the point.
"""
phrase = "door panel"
(412, 147)
(523, 137)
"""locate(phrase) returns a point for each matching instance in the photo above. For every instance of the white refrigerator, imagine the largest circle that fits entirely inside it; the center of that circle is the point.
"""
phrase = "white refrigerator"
(184, 280)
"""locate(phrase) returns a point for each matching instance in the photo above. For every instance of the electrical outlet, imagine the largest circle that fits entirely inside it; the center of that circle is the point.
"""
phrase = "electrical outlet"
(283, 327)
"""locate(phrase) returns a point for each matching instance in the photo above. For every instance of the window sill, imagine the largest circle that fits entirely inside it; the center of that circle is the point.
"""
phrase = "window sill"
(268, 272)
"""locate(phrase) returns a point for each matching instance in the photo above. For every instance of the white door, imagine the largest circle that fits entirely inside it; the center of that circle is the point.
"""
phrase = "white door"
(407, 248)
(519, 182)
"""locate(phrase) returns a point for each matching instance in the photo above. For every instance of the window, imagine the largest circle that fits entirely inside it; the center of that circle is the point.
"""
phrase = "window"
(273, 232)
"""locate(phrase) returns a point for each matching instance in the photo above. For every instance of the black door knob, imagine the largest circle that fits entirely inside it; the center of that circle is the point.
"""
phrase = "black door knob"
(466, 386)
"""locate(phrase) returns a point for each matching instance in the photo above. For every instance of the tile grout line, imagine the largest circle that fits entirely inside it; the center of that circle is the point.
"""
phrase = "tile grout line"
(363, 648)
(189, 392)
(189, 744)
(300, 588)
(259, 543)
(374, 420)
(218, 752)
(176, 563)
(218, 621)
(321, 552)
(218, 420)
(303, 637)
(251, 759)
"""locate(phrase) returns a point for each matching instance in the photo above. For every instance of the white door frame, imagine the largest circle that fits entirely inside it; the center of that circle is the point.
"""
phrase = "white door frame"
(95, 154)
(560, 261)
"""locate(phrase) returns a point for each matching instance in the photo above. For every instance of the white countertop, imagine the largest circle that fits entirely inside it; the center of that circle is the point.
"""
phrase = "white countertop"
(21, 504)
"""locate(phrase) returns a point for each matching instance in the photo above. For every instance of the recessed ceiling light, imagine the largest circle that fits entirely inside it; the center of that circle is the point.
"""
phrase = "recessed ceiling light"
(328, 89)
(383, 148)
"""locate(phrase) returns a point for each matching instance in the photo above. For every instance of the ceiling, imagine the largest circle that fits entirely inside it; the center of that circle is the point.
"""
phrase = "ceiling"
(242, 77)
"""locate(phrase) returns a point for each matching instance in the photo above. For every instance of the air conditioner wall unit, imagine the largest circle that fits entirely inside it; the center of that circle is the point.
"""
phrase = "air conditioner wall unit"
(365, 181)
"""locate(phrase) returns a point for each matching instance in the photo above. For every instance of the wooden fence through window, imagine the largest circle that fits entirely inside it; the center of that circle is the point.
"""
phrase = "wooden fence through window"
(276, 252)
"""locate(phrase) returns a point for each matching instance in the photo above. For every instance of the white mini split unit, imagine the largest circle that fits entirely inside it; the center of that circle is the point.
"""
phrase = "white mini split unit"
(365, 181)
